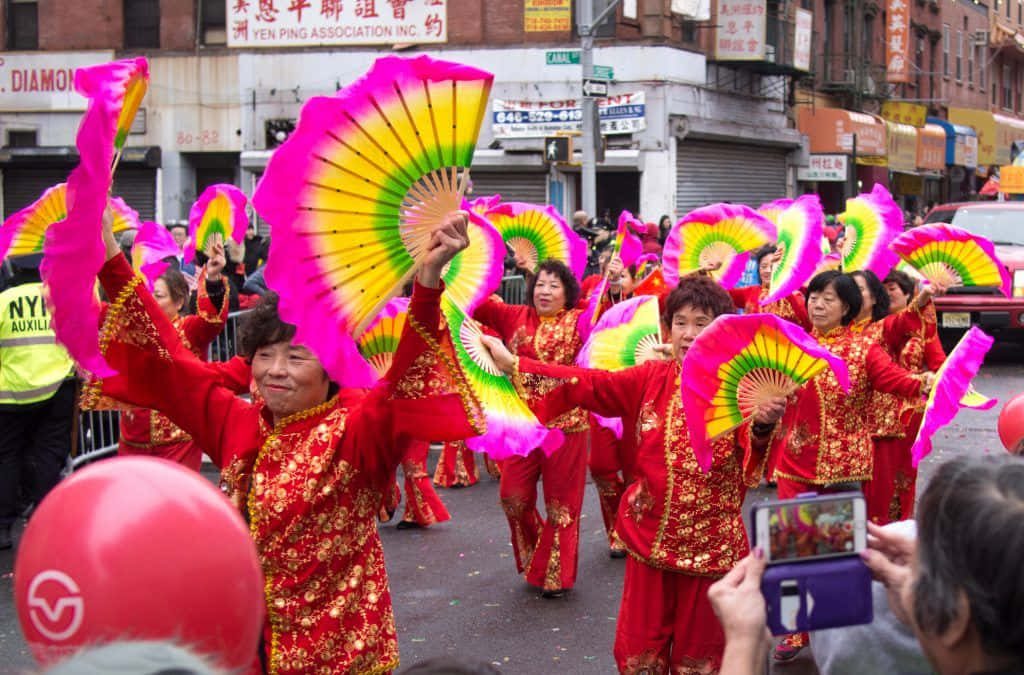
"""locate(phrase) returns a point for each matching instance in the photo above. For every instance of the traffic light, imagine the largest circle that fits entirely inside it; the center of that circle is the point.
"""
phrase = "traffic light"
(557, 149)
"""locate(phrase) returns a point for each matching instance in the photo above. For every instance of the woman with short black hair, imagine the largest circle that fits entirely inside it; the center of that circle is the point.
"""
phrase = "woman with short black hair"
(550, 329)
(826, 442)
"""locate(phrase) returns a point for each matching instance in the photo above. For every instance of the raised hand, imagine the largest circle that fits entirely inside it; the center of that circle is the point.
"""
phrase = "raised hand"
(445, 242)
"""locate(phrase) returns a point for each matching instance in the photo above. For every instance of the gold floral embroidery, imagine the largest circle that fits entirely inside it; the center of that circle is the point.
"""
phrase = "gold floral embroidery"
(639, 500)
(648, 662)
(129, 323)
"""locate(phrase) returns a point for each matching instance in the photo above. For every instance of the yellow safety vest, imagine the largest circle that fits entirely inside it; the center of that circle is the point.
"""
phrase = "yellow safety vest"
(32, 364)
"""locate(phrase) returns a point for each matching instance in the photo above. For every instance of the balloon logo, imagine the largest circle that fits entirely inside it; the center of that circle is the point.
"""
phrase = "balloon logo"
(47, 617)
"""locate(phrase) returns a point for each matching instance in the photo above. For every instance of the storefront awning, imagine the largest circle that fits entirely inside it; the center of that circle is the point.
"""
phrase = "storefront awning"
(931, 147)
(1008, 130)
(984, 125)
(901, 146)
(832, 130)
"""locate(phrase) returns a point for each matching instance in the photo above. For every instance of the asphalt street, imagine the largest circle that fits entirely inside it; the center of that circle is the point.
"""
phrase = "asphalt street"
(456, 592)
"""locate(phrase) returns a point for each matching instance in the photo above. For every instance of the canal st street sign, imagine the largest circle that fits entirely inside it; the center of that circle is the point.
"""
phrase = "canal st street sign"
(562, 58)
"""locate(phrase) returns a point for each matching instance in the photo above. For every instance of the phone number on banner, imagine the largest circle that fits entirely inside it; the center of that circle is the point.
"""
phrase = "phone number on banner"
(533, 119)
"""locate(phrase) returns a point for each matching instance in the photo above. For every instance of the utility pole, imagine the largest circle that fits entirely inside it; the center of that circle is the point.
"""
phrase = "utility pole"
(586, 23)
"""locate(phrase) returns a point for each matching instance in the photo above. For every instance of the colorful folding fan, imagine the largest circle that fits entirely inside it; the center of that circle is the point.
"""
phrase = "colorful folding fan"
(152, 245)
(772, 210)
(740, 362)
(975, 400)
(722, 234)
(646, 263)
(125, 217)
(952, 256)
(626, 246)
(475, 272)
(539, 232)
(217, 215)
(25, 231)
(124, 84)
(481, 205)
(832, 261)
(872, 221)
(74, 253)
(625, 335)
(355, 193)
(512, 429)
(800, 231)
(379, 341)
(952, 384)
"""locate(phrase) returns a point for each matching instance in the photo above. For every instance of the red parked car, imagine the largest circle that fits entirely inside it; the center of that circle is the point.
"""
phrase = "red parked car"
(986, 307)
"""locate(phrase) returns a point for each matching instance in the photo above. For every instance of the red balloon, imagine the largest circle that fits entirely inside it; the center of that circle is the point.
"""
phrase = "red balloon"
(138, 548)
(1011, 422)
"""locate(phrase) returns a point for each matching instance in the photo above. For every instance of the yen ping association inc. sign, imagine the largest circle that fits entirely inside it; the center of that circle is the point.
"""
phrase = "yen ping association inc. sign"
(595, 88)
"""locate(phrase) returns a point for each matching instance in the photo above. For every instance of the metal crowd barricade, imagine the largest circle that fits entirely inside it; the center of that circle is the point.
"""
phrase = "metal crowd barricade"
(513, 290)
(99, 430)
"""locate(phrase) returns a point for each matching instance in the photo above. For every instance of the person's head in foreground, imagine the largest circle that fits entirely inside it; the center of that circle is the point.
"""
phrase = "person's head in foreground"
(833, 300)
(147, 657)
(691, 307)
(553, 289)
(963, 590)
(959, 587)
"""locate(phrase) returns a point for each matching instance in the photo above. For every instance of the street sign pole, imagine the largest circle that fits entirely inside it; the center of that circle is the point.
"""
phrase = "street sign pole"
(586, 23)
(588, 182)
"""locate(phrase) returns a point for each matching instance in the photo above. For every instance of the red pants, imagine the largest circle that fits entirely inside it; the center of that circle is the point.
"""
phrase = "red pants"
(422, 505)
(666, 624)
(546, 550)
(605, 465)
(890, 492)
(456, 466)
(187, 453)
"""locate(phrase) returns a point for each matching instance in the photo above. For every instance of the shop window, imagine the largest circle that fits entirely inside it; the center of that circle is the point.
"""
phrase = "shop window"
(22, 139)
(970, 63)
(22, 24)
(1007, 87)
(981, 66)
(141, 24)
(214, 21)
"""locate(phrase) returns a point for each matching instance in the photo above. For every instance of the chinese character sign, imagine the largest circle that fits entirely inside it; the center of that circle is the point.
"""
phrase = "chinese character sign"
(740, 33)
(802, 40)
(281, 23)
(897, 41)
(824, 168)
(547, 15)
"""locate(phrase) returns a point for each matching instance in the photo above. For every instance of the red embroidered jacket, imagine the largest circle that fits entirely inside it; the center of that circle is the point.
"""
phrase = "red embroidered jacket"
(826, 434)
(673, 516)
(552, 340)
(792, 308)
(142, 427)
(309, 485)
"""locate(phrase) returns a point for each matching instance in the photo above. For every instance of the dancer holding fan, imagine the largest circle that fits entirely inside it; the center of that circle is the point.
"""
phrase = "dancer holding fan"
(150, 432)
(683, 528)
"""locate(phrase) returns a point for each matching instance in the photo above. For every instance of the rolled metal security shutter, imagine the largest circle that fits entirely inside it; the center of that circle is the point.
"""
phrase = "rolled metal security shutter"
(709, 172)
(137, 186)
(513, 186)
(23, 185)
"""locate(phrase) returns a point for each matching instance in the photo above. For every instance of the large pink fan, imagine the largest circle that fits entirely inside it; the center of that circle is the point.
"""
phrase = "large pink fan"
(627, 247)
(772, 210)
(800, 230)
(537, 233)
(74, 250)
(152, 245)
(740, 362)
(482, 205)
(722, 234)
(217, 215)
(953, 256)
(872, 221)
(952, 384)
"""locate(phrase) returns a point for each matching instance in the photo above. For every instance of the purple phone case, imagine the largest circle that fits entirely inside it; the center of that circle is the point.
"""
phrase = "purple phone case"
(832, 593)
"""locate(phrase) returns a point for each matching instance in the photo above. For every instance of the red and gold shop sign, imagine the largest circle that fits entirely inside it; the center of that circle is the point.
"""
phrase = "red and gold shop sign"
(897, 41)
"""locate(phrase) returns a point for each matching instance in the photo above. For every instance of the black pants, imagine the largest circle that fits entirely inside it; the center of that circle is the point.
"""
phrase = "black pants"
(35, 441)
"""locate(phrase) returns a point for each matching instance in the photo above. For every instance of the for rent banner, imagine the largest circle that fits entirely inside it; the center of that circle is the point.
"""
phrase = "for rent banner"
(622, 114)
(284, 23)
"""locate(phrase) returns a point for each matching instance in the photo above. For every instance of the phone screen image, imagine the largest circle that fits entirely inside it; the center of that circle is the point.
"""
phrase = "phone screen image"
(814, 529)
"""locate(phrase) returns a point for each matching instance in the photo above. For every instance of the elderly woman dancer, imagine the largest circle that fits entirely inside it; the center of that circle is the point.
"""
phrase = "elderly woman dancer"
(309, 464)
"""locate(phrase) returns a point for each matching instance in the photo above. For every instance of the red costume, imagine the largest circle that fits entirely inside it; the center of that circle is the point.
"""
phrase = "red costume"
(911, 339)
(792, 308)
(309, 485)
(546, 550)
(148, 432)
(422, 505)
(456, 467)
(683, 528)
(827, 440)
